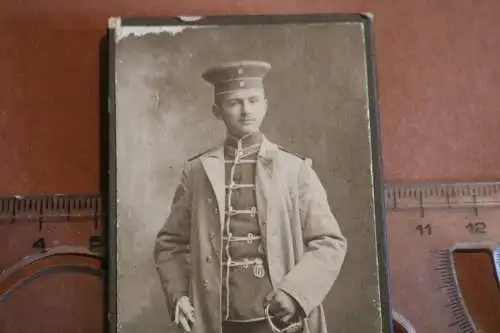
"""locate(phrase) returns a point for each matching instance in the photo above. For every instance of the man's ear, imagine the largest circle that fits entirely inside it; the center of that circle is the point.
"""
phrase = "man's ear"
(216, 111)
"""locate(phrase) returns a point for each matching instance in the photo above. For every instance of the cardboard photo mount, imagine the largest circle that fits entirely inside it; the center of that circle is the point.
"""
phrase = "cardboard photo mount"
(322, 100)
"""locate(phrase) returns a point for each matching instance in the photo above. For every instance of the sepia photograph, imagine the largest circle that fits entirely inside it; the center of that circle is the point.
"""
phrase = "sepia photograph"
(246, 179)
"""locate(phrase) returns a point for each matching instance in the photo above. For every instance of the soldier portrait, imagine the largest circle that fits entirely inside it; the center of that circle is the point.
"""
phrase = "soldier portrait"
(251, 217)
(246, 179)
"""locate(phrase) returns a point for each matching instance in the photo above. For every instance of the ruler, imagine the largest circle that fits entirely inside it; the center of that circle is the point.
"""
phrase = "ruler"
(444, 256)
(443, 240)
(51, 263)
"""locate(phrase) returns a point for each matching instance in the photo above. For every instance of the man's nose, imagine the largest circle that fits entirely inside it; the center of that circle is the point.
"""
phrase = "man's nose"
(245, 108)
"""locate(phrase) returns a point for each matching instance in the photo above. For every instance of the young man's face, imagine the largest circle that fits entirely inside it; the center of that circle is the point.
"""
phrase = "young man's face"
(242, 111)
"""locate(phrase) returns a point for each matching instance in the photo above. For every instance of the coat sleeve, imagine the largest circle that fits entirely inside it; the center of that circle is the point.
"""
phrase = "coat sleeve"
(172, 245)
(325, 245)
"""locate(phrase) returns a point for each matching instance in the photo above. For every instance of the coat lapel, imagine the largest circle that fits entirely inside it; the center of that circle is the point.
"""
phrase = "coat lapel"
(264, 183)
(213, 162)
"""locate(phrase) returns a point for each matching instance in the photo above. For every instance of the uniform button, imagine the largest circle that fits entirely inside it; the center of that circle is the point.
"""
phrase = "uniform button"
(204, 282)
(211, 235)
(216, 210)
(209, 259)
(261, 249)
(253, 211)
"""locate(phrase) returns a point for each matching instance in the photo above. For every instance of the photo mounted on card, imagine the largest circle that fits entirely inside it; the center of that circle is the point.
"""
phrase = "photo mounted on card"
(245, 176)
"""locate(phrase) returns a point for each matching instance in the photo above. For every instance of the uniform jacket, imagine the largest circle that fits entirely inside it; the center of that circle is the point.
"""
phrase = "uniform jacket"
(304, 246)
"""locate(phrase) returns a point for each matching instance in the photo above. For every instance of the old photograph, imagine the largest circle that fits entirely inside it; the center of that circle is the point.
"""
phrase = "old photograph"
(246, 176)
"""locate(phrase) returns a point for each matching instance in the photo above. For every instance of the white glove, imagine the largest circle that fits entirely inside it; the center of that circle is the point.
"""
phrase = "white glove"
(184, 313)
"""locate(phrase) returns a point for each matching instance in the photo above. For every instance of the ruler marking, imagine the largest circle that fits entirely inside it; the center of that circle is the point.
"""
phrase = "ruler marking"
(443, 261)
(41, 209)
(444, 196)
(474, 199)
(96, 212)
(445, 269)
(465, 323)
(442, 266)
(421, 202)
(458, 311)
(67, 207)
(448, 281)
(13, 205)
(465, 327)
(40, 214)
(17, 205)
(444, 257)
(448, 284)
(446, 276)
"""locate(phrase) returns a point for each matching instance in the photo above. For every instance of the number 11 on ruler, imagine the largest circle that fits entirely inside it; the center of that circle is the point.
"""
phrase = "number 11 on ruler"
(424, 229)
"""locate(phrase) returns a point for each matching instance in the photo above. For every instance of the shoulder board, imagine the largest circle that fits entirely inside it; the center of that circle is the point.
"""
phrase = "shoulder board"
(196, 156)
(307, 159)
(292, 152)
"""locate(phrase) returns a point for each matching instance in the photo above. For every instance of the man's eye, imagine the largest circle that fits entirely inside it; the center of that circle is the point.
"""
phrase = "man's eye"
(230, 103)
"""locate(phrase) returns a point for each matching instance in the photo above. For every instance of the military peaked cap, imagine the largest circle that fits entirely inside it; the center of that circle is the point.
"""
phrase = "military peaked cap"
(230, 76)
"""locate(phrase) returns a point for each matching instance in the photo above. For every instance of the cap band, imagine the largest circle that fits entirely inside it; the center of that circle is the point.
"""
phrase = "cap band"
(233, 76)
(238, 84)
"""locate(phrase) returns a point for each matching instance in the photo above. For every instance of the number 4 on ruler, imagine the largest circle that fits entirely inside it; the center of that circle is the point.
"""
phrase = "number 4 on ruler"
(40, 244)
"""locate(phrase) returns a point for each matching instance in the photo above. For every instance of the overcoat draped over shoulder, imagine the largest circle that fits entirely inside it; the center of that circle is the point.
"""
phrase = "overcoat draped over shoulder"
(302, 239)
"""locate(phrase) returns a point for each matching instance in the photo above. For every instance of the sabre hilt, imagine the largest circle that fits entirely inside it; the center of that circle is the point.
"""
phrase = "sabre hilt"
(295, 327)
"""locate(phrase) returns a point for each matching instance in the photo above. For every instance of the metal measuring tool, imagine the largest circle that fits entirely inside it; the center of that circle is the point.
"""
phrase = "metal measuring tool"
(444, 256)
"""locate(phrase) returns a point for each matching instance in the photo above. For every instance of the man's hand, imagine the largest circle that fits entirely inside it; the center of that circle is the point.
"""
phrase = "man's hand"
(281, 305)
(184, 313)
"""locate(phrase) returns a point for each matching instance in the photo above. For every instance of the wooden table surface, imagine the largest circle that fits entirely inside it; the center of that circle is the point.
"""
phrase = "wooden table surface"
(438, 80)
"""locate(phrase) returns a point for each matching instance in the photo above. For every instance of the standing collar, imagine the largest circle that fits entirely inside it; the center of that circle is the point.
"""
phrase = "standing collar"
(248, 140)
(267, 149)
